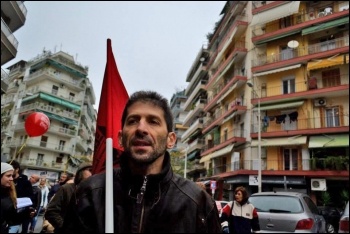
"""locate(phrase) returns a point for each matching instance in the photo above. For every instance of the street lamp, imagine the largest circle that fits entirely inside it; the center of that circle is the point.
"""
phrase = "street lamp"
(185, 169)
(259, 138)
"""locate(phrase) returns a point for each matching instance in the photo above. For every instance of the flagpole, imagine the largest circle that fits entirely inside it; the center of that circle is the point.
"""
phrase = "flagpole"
(109, 187)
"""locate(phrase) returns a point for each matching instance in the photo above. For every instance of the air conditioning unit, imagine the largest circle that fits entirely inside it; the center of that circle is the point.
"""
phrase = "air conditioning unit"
(320, 102)
(318, 185)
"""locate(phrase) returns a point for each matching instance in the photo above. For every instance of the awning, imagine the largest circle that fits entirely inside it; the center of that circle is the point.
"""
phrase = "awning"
(276, 13)
(30, 98)
(280, 141)
(60, 118)
(279, 36)
(59, 101)
(327, 141)
(205, 158)
(281, 106)
(229, 117)
(192, 155)
(322, 63)
(277, 70)
(222, 151)
(325, 26)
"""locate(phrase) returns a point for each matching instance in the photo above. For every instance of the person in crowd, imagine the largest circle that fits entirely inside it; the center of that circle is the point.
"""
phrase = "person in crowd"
(65, 176)
(36, 199)
(8, 198)
(148, 196)
(57, 208)
(23, 189)
(240, 216)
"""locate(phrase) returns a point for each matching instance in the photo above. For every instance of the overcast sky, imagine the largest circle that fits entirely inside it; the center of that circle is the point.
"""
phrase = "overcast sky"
(154, 43)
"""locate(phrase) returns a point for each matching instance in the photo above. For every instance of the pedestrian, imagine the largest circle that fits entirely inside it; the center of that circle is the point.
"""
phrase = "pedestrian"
(23, 189)
(148, 196)
(57, 207)
(36, 199)
(8, 198)
(64, 177)
(41, 202)
(240, 216)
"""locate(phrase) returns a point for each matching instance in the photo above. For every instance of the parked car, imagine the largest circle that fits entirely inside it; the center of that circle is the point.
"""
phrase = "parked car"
(220, 205)
(332, 217)
(287, 212)
(344, 220)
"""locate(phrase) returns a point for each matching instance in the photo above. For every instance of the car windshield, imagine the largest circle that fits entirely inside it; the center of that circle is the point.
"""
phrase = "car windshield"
(276, 204)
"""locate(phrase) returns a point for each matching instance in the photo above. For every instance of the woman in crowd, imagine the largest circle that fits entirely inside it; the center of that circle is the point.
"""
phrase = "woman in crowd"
(8, 197)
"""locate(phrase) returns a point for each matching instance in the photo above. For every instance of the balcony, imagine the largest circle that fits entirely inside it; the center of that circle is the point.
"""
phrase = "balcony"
(196, 109)
(302, 126)
(300, 21)
(302, 54)
(193, 128)
(197, 144)
(331, 165)
(193, 94)
(229, 137)
(235, 106)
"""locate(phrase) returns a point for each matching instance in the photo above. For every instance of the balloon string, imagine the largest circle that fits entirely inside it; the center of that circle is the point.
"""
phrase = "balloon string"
(19, 151)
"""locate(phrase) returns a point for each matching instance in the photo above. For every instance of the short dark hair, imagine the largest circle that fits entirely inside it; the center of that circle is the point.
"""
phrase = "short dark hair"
(153, 98)
(15, 164)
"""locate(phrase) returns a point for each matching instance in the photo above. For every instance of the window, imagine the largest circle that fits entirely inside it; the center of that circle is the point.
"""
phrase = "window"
(286, 22)
(61, 145)
(43, 141)
(290, 159)
(40, 159)
(54, 89)
(332, 117)
(331, 78)
(71, 96)
(288, 85)
(225, 135)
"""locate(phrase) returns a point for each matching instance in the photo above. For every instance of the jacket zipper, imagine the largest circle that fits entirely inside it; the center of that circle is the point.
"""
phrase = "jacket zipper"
(140, 201)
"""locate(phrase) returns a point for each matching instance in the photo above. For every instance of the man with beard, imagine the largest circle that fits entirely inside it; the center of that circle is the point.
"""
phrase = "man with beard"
(65, 176)
(148, 196)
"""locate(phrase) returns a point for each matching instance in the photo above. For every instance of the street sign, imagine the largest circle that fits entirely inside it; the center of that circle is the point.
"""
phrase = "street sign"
(253, 180)
(213, 184)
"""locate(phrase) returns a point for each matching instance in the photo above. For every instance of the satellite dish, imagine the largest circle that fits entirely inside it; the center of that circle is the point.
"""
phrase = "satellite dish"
(293, 44)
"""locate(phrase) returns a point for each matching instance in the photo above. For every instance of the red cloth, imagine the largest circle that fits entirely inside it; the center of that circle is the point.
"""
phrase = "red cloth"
(112, 102)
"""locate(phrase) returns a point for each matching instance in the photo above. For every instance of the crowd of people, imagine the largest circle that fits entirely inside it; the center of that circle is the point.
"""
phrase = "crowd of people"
(147, 195)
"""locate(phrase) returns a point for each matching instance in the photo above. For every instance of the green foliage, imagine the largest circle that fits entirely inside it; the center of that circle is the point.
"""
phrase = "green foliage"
(326, 198)
(344, 195)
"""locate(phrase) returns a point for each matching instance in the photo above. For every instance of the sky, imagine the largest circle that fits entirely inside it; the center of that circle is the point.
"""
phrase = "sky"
(154, 43)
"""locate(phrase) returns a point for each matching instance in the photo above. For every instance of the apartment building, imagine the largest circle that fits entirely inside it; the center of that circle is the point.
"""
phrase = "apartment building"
(59, 87)
(13, 17)
(275, 98)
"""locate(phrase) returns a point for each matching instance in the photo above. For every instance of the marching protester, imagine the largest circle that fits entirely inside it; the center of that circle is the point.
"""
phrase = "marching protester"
(148, 196)
(8, 198)
(64, 177)
(23, 189)
(36, 199)
(240, 216)
(57, 208)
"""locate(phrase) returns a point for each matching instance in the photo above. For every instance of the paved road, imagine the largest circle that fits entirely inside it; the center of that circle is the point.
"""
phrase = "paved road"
(38, 225)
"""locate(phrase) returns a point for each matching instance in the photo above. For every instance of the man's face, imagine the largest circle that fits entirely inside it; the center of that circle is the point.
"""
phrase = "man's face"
(63, 178)
(144, 135)
(34, 179)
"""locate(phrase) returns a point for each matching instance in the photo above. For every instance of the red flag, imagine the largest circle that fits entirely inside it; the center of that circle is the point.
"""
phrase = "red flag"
(112, 102)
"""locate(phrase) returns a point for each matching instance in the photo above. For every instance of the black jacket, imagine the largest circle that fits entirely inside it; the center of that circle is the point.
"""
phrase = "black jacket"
(170, 204)
(8, 211)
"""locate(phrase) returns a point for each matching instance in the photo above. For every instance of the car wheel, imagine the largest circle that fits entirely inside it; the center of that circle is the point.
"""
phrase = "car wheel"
(330, 228)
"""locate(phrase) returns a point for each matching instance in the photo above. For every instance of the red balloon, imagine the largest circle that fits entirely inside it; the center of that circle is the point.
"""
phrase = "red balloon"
(37, 124)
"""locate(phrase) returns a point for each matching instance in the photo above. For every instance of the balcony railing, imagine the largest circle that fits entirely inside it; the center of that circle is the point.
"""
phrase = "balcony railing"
(301, 51)
(223, 138)
(302, 124)
(322, 82)
(332, 163)
(300, 17)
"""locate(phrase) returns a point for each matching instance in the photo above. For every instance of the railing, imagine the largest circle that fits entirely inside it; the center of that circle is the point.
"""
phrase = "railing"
(301, 123)
(223, 138)
(331, 163)
(301, 51)
(8, 33)
(299, 18)
(322, 83)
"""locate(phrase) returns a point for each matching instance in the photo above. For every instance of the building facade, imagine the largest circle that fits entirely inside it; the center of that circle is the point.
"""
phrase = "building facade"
(287, 63)
(54, 84)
